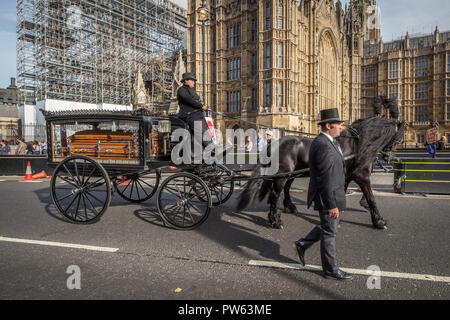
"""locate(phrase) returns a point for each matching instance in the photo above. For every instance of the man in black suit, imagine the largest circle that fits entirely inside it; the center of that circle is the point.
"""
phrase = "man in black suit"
(191, 107)
(327, 191)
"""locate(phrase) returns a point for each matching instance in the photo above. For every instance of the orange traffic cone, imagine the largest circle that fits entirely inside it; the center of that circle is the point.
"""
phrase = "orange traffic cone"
(28, 174)
(124, 182)
(39, 175)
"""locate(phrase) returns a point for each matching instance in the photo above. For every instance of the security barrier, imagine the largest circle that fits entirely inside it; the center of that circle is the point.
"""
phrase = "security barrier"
(16, 165)
(420, 153)
(422, 175)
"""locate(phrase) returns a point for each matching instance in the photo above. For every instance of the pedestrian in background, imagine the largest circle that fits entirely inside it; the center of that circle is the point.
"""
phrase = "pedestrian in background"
(43, 146)
(440, 145)
(260, 142)
(22, 146)
(30, 147)
(4, 148)
(36, 147)
(327, 191)
(248, 144)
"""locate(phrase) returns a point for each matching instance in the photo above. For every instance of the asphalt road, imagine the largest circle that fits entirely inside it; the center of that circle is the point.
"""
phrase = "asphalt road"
(213, 261)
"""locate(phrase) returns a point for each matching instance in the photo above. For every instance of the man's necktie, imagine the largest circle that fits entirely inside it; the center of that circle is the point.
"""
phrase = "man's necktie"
(336, 143)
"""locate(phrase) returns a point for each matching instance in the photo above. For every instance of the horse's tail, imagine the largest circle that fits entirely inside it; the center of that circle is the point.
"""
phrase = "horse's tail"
(248, 194)
(265, 188)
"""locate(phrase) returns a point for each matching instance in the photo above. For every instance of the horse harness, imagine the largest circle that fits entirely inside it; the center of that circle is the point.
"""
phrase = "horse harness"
(354, 135)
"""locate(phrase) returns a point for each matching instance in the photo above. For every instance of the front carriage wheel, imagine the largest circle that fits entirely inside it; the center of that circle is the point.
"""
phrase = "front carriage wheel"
(183, 201)
(81, 189)
(220, 183)
(139, 186)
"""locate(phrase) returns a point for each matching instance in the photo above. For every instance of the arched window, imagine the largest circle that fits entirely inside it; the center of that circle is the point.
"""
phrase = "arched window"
(327, 72)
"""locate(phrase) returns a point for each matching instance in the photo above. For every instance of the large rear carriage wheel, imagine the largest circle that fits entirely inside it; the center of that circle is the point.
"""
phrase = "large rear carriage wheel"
(183, 201)
(81, 189)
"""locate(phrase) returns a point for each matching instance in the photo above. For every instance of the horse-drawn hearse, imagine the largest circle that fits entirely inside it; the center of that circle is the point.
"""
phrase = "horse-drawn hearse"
(95, 153)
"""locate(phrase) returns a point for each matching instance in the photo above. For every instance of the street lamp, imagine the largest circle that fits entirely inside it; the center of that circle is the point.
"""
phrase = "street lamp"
(203, 16)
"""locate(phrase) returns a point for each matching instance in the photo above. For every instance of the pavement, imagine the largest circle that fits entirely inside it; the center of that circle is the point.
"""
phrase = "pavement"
(131, 254)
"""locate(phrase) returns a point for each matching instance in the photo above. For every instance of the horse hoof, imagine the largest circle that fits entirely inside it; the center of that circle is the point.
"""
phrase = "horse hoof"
(276, 225)
(381, 225)
(292, 210)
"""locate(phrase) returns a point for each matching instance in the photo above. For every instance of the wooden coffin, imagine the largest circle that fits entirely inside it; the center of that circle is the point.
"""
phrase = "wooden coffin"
(103, 144)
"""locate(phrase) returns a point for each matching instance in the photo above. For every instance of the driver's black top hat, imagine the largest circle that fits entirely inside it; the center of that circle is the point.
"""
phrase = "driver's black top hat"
(329, 116)
(188, 76)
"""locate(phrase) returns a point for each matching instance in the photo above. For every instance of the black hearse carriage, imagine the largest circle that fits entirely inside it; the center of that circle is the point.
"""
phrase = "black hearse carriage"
(94, 152)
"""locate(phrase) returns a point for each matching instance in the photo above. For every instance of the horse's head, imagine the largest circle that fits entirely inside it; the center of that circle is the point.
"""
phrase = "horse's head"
(377, 135)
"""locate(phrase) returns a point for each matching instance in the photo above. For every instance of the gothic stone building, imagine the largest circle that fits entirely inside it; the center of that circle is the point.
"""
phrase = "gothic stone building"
(416, 70)
(279, 62)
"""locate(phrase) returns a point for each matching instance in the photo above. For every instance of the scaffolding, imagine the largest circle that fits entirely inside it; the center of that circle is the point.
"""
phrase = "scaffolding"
(89, 50)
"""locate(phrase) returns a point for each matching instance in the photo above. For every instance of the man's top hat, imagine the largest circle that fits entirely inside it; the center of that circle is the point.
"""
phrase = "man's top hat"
(329, 116)
(188, 76)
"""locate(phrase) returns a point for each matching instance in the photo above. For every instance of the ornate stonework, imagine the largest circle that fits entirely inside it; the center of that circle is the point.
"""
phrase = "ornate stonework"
(279, 62)
(180, 68)
(140, 97)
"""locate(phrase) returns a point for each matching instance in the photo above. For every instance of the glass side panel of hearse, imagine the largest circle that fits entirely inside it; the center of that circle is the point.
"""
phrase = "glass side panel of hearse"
(104, 140)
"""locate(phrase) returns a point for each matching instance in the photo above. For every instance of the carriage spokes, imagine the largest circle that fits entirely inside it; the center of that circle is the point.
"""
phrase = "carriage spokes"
(184, 201)
(139, 186)
(81, 189)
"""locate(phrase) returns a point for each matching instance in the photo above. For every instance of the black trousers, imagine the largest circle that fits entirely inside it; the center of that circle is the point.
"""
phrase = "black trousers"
(202, 138)
(325, 232)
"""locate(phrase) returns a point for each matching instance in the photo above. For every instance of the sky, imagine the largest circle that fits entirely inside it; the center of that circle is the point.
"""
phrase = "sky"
(397, 18)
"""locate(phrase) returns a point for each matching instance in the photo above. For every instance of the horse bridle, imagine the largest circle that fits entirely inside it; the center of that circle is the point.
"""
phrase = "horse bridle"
(387, 153)
(354, 135)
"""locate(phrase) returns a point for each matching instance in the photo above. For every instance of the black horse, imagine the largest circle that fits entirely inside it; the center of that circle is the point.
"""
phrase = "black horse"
(360, 144)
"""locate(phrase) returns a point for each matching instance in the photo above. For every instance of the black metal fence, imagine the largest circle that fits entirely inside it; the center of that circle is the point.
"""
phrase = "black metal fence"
(29, 132)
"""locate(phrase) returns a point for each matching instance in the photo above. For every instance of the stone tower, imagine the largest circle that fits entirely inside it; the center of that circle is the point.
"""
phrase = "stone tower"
(362, 27)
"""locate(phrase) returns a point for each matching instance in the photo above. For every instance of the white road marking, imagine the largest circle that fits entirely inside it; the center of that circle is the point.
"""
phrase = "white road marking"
(35, 181)
(59, 244)
(425, 277)
(403, 196)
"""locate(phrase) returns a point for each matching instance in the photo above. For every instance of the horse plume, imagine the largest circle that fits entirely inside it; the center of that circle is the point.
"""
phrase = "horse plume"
(391, 103)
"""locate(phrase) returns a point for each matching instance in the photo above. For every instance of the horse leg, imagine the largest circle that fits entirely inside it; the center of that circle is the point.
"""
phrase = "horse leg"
(363, 203)
(377, 221)
(274, 195)
(289, 207)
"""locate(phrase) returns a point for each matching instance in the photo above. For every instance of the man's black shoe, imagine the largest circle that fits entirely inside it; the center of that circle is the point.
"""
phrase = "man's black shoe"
(300, 252)
(338, 275)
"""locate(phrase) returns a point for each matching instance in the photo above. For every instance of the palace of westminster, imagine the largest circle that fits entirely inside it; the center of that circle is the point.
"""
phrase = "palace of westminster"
(278, 63)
